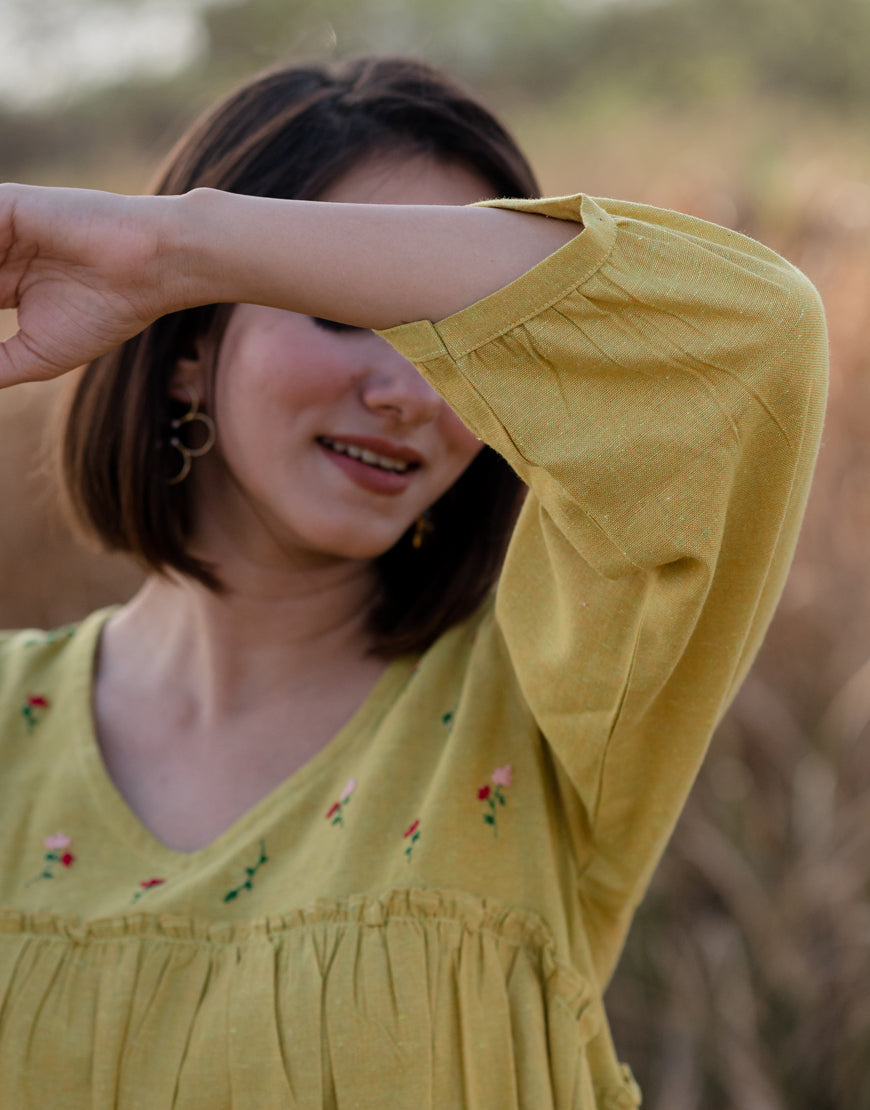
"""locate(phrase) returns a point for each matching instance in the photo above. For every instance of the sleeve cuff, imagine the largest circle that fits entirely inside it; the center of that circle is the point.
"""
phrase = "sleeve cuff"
(537, 289)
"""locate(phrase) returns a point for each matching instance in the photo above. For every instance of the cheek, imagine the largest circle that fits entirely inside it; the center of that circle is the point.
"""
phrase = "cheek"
(270, 376)
(462, 444)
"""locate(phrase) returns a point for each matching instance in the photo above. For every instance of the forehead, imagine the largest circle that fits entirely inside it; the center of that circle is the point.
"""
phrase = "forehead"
(417, 180)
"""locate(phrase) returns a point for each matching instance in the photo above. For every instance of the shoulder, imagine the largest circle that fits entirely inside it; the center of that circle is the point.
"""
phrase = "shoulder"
(36, 664)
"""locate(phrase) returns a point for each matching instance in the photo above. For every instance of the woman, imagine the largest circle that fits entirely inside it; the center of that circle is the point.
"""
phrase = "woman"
(314, 820)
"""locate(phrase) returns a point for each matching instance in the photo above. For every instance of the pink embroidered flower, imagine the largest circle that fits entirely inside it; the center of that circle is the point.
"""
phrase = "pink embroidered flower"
(501, 777)
(54, 855)
(336, 810)
(37, 701)
(412, 835)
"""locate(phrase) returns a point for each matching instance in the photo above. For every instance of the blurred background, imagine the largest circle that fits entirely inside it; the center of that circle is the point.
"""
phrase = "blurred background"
(746, 981)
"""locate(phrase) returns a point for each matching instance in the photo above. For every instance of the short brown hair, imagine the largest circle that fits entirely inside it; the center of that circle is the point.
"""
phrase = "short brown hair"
(292, 133)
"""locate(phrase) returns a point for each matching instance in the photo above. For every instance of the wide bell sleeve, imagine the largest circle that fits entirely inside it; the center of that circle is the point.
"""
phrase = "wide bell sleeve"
(659, 384)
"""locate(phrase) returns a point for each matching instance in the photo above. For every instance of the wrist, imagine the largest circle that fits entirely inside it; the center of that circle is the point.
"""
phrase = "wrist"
(190, 229)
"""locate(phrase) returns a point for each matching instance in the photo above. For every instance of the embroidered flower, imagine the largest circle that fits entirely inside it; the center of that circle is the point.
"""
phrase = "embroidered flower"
(145, 886)
(33, 709)
(250, 872)
(335, 813)
(412, 835)
(501, 777)
(55, 854)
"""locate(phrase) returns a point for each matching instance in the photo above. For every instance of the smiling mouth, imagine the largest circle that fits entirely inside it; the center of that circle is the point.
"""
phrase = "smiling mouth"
(370, 458)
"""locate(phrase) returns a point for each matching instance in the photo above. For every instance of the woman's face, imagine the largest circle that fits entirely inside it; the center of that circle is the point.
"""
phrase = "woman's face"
(330, 444)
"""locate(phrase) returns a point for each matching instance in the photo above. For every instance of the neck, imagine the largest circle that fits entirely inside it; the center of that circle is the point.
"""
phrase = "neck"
(229, 653)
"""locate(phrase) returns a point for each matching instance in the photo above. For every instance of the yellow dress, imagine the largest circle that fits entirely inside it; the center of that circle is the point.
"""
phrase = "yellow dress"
(425, 915)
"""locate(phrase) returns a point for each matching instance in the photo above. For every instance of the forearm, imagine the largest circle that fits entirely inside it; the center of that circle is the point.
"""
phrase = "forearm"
(372, 265)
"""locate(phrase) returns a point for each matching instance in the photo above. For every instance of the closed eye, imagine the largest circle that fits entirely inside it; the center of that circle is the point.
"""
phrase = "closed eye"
(334, 325)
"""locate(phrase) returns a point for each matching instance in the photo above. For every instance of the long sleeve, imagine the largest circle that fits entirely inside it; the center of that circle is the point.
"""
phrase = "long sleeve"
(659, 384)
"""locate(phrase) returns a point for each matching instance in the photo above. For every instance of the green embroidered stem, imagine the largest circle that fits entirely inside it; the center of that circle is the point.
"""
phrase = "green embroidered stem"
(250, 872)
(412, 835)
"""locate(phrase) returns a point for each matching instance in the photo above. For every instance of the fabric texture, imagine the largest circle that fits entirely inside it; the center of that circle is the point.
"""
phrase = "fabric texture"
(425, 915)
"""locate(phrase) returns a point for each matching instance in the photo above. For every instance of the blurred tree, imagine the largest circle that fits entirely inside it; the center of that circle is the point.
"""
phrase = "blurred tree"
(674, 51)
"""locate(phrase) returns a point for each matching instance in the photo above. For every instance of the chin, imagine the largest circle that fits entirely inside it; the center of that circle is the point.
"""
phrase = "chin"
(359, 544)
(361, 550)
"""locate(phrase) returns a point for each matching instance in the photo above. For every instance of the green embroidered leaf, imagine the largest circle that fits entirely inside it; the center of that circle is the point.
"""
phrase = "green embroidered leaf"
(489, 818)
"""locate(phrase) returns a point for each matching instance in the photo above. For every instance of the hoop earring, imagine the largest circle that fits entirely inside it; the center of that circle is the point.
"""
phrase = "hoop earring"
(188, 454)
(423, 528)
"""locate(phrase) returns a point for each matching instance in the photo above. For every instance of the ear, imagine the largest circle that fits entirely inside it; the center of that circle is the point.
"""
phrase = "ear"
(192, 377)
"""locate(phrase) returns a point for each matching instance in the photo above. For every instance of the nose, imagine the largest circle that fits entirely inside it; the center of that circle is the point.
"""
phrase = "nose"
(393, 387)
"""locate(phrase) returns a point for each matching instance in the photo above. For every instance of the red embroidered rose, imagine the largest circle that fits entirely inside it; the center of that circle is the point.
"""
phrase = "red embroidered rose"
(502, 778)
(33, 708)
(56, 843)
(336, 810)
(147, 884)
(412, 835)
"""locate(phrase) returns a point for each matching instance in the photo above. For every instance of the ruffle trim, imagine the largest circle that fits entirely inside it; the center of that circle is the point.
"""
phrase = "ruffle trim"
(473, 914)
(340, 927)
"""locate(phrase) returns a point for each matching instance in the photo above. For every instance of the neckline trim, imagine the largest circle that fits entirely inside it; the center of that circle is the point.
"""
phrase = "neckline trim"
(112, 809)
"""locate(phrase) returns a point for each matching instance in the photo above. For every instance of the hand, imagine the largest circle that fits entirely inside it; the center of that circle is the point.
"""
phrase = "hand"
(85, 271)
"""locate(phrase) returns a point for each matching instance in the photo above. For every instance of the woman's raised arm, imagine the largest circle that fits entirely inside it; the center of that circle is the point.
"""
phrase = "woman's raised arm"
(86, 270)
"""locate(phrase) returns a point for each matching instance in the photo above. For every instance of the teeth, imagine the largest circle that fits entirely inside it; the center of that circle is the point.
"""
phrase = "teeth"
(383, 462)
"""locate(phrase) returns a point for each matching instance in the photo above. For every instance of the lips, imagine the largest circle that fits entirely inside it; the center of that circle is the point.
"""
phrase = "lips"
(396, 459)
(375, 464)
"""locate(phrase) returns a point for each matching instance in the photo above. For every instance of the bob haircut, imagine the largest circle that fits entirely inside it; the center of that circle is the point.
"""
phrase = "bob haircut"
(292, 133)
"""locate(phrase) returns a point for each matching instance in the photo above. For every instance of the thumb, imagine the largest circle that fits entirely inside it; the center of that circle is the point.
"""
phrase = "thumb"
(19, 362)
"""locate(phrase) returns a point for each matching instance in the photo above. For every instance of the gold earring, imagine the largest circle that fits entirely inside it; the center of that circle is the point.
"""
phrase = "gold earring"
(188, 454)
(423, 527)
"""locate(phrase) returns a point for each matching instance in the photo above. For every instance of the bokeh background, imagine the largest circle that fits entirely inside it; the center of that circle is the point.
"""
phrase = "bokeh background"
(746, 982)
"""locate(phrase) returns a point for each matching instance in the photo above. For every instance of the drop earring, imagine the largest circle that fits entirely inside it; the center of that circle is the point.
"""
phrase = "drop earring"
(423, 528)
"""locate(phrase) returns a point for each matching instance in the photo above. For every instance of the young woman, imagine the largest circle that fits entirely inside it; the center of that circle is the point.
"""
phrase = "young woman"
(319, 819)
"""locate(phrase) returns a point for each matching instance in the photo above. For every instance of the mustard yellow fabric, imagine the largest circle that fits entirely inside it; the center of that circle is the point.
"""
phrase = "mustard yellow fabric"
(425, 915)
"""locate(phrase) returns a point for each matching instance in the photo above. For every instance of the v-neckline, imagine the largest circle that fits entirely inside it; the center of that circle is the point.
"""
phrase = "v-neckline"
(115, 812)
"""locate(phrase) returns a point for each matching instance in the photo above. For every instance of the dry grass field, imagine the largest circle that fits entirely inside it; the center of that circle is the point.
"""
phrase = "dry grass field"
(746, 983)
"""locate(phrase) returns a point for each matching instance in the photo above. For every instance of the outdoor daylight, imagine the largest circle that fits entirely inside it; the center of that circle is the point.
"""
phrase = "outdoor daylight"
(420, 854)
